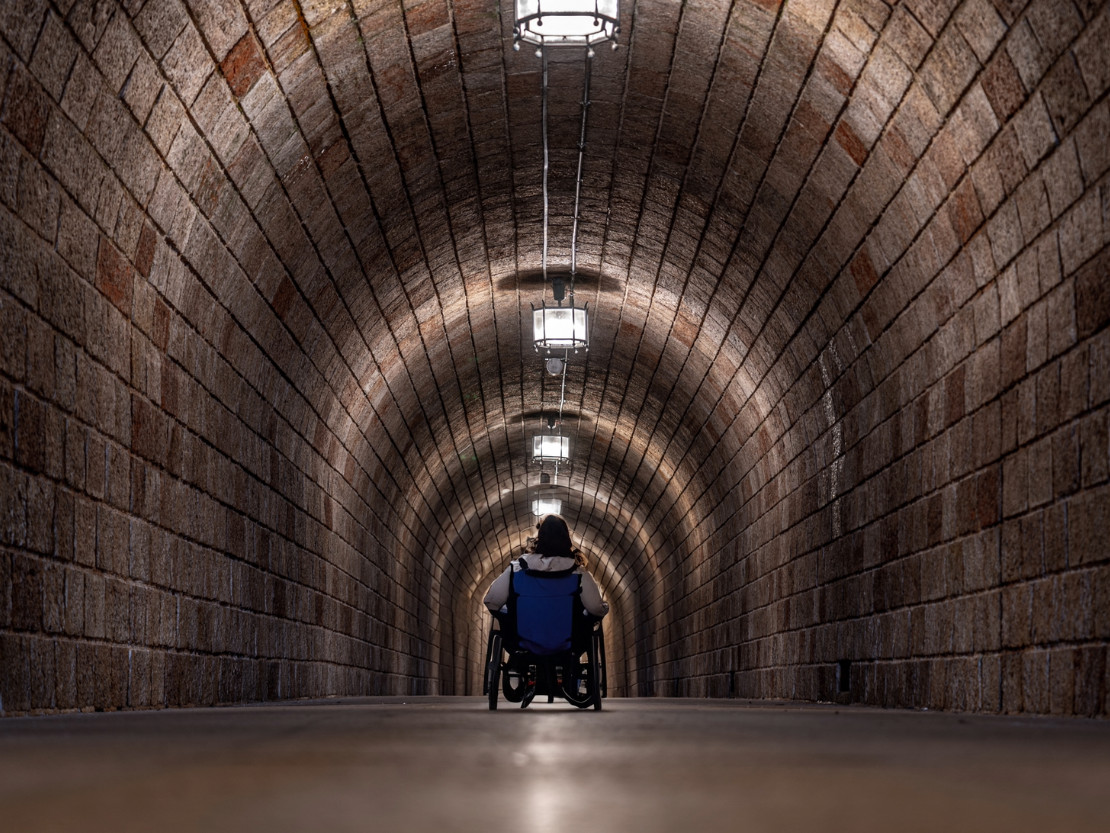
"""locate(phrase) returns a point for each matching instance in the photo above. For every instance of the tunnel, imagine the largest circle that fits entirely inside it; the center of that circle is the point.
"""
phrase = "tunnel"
(268, 387)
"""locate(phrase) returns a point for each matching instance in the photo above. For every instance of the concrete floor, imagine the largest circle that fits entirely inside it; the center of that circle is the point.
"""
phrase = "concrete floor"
(447, 764)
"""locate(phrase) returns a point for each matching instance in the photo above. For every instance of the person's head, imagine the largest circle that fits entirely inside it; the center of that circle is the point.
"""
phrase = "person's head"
(553, 538)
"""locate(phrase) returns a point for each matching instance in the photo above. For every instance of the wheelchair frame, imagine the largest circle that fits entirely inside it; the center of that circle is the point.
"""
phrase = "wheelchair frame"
(524, 675)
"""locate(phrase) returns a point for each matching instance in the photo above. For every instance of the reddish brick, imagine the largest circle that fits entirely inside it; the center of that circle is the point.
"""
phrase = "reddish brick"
(243, 65)
(283, 297)
(834, 74)
(426, 17)
(864, 272)
(114, 276)
(846, 137)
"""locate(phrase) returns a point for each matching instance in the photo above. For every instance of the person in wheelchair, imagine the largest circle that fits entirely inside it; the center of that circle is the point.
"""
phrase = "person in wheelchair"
(549, 611)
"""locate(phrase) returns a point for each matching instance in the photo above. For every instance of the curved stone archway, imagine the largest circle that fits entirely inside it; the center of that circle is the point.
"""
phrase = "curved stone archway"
(265, 383)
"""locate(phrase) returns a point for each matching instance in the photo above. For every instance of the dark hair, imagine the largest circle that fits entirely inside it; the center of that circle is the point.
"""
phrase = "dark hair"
(553, 539)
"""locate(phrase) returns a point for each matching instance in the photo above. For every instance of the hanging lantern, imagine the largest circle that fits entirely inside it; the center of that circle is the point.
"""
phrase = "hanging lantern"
(547, 506)
(560, 328)
(550, 448)
(567, 22)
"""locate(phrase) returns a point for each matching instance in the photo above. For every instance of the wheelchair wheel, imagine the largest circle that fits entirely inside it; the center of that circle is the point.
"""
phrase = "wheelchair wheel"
(576, 685)
(513, 685)
(593, 680)
(493, 670)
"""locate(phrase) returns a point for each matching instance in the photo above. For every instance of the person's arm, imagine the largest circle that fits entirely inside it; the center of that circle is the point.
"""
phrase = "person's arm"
(498, 593)
(591, 596)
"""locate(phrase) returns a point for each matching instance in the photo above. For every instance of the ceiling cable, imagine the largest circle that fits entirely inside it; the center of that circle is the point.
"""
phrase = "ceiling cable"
(543, 106)
(578, 181)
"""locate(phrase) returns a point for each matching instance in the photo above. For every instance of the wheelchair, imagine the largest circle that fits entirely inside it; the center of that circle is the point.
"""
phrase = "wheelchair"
(545, 644)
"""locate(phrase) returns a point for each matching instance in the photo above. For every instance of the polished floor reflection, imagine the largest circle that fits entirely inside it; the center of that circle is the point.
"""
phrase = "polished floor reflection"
(447, 764)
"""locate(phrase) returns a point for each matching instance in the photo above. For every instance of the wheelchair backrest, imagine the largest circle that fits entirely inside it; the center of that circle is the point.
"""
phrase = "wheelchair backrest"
(544, 606)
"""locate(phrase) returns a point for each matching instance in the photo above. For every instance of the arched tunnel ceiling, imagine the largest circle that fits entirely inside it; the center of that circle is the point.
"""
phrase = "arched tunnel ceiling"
(671, 173)
(365, 179)
(406, 139)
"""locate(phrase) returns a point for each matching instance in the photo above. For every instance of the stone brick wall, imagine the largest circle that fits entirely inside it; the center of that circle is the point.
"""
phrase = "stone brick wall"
(920, 495)
(181, 523)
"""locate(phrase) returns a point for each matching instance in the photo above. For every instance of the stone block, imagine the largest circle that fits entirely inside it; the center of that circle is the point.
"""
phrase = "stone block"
(112, 542)
(1004, 231)
(1039, 471)
(43, 682)
(114, 276)
(116, 52)
(1015, 479)
(1011, 671)
(1036, 681)
(187, 64)
(65, 674)
(1088, 516)
(143, 87)
(5, 589)
(1065, 461)
(1093, 150)
(139, 679)
(1092, 292)
(158, 679)
(1017, 615)
(86, 672)
(981, 26)
(1081, 234)
(1003, 86)
(243, 66)
(26, 592)
(74, 602)
(1094, 450)
(26, 110)
(1034, 213)
(96, 624)
(53, 598)
(162, 126)
(1090, 671)
(15, 673)
(1061, 674)
(117, 603)
(1090, 55)
(1047, 410)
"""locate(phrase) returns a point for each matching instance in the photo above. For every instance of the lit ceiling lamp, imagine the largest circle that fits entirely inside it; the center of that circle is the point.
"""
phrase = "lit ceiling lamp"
(547, 506)
(550, 448)
(558, 327)
(566, 22)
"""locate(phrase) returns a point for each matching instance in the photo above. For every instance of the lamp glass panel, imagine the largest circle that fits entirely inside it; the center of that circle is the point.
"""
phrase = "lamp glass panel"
(547, 506)
(567, 22)
(560, 327)
(550, 447)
